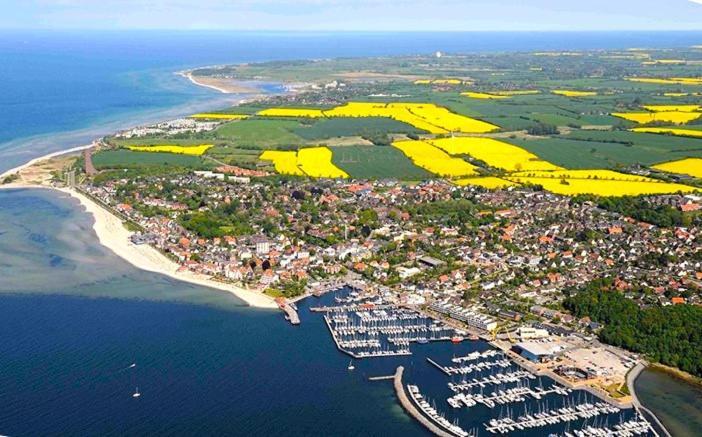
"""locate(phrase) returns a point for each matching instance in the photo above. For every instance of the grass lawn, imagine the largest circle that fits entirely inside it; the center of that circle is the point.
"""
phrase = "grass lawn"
(376, 162)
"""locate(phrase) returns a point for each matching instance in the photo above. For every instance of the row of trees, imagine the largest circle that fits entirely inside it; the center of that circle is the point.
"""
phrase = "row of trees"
(670, 335)
(640, 209)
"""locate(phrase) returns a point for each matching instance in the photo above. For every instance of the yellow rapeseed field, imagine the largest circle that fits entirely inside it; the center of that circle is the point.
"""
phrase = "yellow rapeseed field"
(292, 112)
(493, 152)
(181, 150)
(285, 162)
(689, 166)
(573, 187)
(668, 81)
(483, 96)
(426, 116)
(681, 94)
(676, 117)
(215, 116)
(599, 182)
(669, 130)
(489, 182)
(434, 160)
(571, 93)
(672, 108)
(445, 119)
(317, 162)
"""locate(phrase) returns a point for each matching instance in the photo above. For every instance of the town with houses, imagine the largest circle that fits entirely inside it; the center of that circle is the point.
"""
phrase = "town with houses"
(497, 264)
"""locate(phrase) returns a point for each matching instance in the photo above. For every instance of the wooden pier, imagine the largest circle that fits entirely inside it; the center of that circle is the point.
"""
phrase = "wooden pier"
(381, 378)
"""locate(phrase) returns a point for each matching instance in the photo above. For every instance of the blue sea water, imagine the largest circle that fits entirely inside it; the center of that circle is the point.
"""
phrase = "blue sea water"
(75, 316)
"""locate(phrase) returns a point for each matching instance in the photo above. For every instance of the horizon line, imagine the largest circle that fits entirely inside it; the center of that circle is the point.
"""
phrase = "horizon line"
(338, 31)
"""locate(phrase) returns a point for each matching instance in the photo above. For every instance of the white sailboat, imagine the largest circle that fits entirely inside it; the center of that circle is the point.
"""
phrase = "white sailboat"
(136, 393)
(351, 366)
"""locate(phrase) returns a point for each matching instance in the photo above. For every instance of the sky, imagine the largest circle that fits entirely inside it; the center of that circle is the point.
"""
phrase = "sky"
(353, 15)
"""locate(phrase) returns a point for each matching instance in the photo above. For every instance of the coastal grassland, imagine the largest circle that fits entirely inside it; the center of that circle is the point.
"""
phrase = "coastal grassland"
(122, 158)
(609, 149)
(523, 111)
(264, 134)
(376, 162)
(348, 127)
(689, 166)
(234, 155)
(574, 154)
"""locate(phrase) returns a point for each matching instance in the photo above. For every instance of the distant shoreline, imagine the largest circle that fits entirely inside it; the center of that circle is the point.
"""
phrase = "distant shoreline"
(235, 87)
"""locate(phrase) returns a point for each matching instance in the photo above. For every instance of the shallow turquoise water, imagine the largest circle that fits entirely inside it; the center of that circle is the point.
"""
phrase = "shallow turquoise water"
(677, 403)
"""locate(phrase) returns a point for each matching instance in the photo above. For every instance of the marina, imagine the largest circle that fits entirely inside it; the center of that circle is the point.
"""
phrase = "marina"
(367, 326)
(492, 379)
(478, 390)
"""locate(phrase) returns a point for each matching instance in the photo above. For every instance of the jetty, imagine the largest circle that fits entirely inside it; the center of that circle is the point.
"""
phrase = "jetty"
(412, 408)
(381, 378)
(290, 311)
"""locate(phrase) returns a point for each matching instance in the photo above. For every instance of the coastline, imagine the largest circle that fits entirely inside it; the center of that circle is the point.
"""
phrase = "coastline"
(677, 373)
(189, 75)
(43, 158)
(235, 87)
(113, 235)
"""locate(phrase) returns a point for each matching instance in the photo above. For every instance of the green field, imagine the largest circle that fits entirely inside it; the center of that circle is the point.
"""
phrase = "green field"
(127, 159)
(594, 149)
(265, 134)
(353, 126)
(376, 162)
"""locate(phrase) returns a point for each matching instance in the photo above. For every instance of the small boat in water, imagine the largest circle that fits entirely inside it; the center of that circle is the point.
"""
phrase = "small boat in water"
(136, 393)
(351, 366)
(423, 340)
(456, 339)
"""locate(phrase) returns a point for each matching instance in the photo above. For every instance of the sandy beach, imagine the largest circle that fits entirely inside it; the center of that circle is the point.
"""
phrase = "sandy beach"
(113, 235)
(44, 158)
(225, 86)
